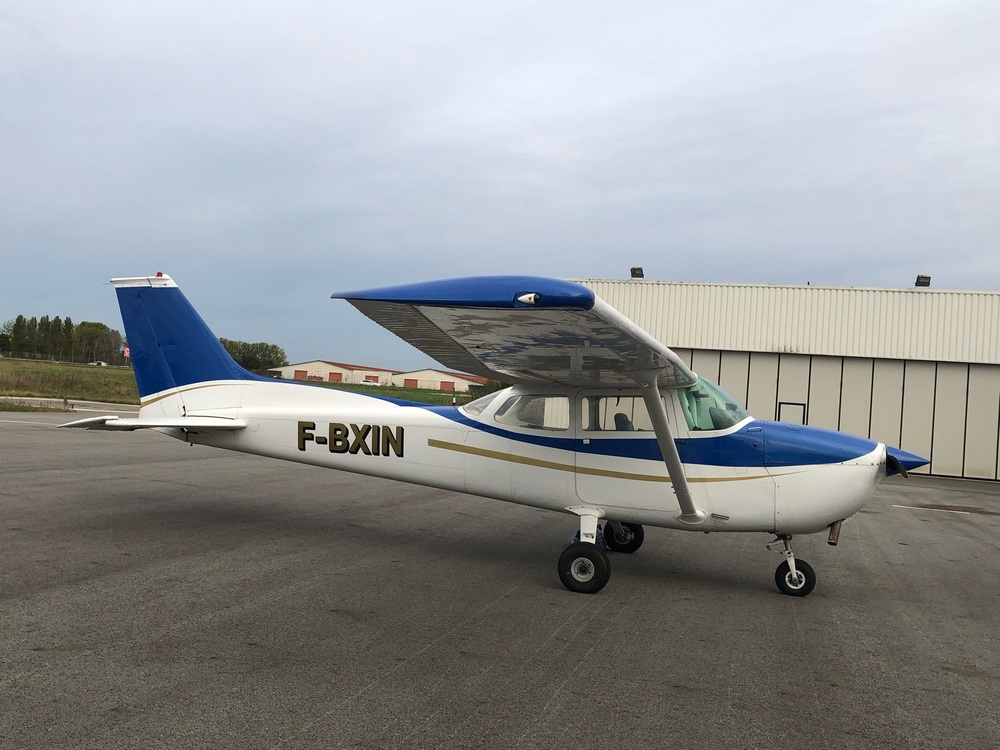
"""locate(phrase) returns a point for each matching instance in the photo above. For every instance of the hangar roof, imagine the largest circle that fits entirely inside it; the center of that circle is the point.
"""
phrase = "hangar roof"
(921, 324)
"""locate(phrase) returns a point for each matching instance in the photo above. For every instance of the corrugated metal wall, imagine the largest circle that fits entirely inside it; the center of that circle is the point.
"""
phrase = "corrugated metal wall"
(918, 324)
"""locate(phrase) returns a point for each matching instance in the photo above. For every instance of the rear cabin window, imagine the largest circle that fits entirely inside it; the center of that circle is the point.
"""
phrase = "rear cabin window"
(475, 408)
(535, 412)
(707, 407)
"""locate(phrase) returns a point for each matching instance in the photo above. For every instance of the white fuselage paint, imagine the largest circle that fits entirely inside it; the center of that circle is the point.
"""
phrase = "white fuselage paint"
(460, 456)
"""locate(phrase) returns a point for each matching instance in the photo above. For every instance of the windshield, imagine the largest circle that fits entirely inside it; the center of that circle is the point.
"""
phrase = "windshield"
(707, 407)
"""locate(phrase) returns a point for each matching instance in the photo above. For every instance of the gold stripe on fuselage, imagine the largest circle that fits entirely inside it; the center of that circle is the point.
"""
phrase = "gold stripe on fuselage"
(177, 392)
(556, 466)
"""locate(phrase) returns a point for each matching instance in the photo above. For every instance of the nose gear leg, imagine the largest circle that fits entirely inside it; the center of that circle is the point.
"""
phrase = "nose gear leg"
(793, 577)
(786, 541)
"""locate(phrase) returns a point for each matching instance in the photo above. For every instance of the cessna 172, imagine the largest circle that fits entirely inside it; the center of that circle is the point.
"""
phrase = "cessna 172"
(603, 421)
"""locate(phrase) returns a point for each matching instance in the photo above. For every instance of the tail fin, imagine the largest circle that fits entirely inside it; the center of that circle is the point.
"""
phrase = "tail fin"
(169, 344)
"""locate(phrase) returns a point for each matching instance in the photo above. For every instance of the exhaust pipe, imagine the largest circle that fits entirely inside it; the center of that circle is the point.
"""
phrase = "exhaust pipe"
(834, 539)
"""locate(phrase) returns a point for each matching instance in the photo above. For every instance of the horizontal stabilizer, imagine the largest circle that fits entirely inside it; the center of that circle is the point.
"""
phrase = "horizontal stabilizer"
(188, 424)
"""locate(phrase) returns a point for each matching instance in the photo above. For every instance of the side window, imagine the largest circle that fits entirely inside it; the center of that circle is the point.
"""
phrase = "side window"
(535, 412)
(615, 414)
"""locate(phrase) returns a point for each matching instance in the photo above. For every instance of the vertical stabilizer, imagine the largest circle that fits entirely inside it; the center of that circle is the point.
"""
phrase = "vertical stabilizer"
(169, 343)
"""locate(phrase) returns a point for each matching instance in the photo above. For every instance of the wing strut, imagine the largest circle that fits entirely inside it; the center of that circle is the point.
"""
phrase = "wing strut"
(665, 439)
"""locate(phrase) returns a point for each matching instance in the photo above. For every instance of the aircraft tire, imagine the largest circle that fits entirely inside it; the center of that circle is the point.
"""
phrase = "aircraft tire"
(802, 587)
(584, 568)
(628, 542)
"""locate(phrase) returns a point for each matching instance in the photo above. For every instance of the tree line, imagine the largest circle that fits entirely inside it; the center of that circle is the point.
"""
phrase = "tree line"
(60, 339)
(258, 357)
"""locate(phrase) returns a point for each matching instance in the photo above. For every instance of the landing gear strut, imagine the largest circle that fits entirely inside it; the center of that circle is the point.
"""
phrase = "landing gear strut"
(793, 577)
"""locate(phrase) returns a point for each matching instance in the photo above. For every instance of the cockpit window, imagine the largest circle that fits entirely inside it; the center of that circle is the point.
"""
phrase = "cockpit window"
(478, 406)
(707, 407)
(535, 412)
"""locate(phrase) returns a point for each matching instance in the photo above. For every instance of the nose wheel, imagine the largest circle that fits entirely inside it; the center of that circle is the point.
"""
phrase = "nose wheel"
(793, 577)
(799, 583)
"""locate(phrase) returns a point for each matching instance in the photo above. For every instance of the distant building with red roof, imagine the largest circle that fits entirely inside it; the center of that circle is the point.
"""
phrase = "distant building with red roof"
(328, 371)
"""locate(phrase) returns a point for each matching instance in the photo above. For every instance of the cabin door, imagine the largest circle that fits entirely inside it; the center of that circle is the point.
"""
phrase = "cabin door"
(613, 431)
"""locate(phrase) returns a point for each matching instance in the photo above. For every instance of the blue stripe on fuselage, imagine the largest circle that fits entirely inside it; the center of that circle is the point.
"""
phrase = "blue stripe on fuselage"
(786, 445)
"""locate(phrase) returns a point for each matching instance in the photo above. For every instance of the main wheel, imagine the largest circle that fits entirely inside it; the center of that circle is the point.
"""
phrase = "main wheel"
(584, 568)
(629, 540)
(798, 585)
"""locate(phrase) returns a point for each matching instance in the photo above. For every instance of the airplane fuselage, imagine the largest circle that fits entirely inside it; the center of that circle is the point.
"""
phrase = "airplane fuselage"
(751, 476)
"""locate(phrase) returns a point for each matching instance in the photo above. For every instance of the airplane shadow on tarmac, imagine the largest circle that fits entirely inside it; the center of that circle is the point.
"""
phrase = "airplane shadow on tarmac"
(525, 542)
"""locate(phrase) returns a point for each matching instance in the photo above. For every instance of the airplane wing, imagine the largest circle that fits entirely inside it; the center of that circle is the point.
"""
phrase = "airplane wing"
(522, 329)
(188, 424)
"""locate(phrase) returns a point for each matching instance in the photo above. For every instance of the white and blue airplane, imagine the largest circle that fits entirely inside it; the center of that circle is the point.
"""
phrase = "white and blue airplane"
(603, 421)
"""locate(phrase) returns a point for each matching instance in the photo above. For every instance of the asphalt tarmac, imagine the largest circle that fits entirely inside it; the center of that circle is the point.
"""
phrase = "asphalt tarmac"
(157, 595)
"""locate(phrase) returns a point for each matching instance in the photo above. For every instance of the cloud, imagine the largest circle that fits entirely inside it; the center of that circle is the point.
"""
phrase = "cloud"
(267, 155)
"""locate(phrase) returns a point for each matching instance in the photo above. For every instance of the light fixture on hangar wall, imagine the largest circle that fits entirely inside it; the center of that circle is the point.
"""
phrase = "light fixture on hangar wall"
(922, 280)
(637, 272)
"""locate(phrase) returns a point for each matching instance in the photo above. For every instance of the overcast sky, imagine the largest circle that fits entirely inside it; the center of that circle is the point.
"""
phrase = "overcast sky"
(267, 155)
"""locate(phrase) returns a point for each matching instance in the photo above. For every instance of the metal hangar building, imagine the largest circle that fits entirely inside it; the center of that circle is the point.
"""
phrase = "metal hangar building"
(917, 368)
